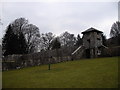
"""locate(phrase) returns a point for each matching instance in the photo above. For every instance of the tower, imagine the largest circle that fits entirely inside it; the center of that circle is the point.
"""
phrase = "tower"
(92, 41)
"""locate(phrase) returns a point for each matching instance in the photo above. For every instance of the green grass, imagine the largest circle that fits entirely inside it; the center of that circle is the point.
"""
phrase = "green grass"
(88, 73)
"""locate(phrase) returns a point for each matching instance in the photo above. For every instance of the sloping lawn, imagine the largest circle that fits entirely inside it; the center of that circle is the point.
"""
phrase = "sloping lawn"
(87, 73)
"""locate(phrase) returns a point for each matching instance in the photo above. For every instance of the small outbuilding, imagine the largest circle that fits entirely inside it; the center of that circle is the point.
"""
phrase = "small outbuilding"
(92, 41)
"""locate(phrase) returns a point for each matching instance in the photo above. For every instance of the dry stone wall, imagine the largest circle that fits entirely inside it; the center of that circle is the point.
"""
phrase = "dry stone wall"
(35, 59)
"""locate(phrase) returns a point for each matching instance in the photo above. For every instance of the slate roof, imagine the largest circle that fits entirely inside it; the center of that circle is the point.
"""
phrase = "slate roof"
(91, 30)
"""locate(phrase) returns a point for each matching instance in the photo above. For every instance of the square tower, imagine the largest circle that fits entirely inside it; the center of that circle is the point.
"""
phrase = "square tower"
(92, 41)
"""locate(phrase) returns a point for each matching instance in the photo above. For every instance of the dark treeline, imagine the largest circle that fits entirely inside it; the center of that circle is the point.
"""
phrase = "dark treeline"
(24, 38)
(21, 37)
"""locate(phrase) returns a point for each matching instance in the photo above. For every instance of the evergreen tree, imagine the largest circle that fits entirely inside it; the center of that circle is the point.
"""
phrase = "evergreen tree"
(20, 38)
(12, 43)
(79, 40)
(104, 40)
(56, 44)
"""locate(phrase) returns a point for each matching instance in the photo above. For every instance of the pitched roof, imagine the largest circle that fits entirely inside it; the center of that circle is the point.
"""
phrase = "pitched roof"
(91, 30)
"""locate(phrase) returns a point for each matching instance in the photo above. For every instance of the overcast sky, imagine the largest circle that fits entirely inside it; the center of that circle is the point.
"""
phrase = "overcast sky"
(58, 17)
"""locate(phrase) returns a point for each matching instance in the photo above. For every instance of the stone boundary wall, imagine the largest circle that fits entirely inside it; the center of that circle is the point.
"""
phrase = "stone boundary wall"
(27, 60)
(52, 56)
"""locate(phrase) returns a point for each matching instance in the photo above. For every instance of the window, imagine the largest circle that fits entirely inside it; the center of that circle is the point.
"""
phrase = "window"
(98, 52)
(98, 38)
(88, 40)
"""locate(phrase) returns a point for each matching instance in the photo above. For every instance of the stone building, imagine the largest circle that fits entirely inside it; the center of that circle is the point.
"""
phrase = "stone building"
(92, 41)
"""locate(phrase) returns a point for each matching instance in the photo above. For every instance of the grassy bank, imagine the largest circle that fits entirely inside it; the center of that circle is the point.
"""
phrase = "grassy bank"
(87, 73)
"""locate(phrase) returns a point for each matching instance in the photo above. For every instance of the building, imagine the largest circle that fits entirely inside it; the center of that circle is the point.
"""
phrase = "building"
(92, 41)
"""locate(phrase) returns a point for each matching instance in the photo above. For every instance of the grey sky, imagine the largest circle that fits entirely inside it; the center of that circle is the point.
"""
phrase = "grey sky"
(73, 17)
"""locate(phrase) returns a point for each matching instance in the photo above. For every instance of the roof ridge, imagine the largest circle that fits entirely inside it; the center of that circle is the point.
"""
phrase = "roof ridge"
(90, 30)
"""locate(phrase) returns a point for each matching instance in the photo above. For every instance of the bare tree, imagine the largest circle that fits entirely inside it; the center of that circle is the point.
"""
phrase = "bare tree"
(32, 36)
(46, 40)
(18, 25)
(115, 29)
(67, 39)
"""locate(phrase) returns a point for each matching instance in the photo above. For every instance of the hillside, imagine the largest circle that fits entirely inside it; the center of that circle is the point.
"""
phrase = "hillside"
(87, 73)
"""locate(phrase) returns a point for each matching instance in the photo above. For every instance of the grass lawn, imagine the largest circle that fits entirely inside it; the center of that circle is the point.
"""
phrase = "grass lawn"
(0, 73)
(87, 73)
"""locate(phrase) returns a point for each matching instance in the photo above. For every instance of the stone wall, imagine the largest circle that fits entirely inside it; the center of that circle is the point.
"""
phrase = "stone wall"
(110, 51)
(35, 59)
(52, 56)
